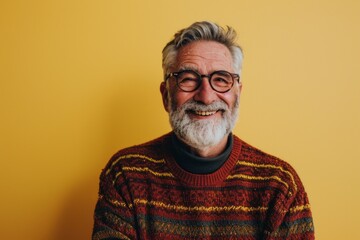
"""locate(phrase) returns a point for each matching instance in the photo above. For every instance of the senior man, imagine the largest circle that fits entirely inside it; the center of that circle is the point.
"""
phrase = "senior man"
(200, 181)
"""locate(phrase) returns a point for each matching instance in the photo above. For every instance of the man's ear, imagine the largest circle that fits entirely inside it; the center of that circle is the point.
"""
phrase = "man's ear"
(240, 86)
(165, 95)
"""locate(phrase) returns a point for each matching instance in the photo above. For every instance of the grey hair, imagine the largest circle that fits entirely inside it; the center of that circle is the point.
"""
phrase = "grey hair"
(202, 31)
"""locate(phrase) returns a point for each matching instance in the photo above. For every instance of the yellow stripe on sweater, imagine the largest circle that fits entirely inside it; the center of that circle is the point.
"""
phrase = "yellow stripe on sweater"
(247, 177)
(146, 169)
(113, 201)
(300, 208)
(249, 164)
(199, 208)
(138, 201)
(134, 156)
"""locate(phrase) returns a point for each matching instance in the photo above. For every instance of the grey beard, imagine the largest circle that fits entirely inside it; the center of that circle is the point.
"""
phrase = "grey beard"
(203, 133)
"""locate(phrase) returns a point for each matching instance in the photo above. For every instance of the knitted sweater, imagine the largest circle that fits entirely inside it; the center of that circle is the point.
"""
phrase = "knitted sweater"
(144, 194)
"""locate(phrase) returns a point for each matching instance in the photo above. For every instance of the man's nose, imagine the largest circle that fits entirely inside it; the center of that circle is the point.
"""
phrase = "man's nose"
(205, 94)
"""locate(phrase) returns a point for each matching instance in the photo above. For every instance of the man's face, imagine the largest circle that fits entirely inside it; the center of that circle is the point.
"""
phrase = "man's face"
(204, 106)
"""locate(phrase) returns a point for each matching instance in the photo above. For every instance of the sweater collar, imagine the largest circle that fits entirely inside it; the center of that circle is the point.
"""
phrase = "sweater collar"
(196, 164)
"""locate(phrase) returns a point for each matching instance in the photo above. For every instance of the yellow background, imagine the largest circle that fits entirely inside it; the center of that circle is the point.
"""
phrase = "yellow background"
(80, 80)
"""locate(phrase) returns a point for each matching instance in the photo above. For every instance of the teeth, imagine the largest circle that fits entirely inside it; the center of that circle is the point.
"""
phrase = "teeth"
(203, 113)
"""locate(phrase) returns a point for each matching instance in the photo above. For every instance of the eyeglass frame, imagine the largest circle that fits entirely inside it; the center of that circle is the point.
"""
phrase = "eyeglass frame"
(234, 77)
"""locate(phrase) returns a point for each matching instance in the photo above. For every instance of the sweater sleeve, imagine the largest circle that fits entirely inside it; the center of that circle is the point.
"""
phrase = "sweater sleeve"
(292, 219)
(113, 217)
(297, 223)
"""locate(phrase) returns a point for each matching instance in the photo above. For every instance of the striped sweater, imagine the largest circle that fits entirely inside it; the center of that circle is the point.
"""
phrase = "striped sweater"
(144, 194)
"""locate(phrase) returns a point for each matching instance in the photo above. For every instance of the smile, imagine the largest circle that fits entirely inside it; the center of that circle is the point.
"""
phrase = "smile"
(204, 113)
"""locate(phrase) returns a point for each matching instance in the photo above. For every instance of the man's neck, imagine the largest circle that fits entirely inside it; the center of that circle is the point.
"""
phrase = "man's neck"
(192, 162)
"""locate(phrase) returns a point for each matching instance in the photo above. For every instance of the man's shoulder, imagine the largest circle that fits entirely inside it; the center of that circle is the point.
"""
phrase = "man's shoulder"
(257, 156)
(267, 166)
(150, 151)
(153, 146)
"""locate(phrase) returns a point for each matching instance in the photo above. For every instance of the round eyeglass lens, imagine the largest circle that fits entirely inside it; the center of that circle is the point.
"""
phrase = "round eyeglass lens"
(188, 80)
(221, 81)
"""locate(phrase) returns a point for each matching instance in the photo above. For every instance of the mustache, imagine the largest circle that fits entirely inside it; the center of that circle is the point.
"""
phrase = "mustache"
(192, 105)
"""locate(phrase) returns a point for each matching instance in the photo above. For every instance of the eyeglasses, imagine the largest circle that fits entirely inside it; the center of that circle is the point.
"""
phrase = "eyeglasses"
(189, 80)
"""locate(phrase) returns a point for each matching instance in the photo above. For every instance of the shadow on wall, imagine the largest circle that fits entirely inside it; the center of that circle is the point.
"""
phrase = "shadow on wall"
(76, 216)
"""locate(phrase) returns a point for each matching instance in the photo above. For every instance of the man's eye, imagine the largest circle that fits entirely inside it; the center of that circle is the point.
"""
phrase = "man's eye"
(188, 81)
(221, 81)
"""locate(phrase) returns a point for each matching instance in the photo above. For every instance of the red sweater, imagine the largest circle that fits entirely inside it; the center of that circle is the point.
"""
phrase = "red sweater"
(144, 194)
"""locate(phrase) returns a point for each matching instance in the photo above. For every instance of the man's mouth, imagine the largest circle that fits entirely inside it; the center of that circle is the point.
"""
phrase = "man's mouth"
(203, 113)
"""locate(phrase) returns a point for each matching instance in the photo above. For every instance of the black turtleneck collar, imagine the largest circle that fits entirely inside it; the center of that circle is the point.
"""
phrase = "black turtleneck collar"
(195, 164)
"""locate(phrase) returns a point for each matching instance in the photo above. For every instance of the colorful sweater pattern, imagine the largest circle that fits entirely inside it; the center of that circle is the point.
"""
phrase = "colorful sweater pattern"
(144, 194)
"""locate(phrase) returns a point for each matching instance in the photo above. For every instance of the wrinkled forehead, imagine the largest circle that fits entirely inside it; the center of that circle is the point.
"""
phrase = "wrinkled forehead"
(204, 56)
